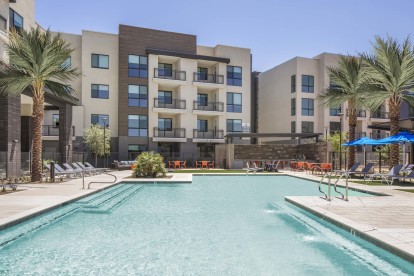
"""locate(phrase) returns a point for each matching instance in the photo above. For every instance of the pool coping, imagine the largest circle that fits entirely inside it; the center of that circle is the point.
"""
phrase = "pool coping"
(354, 228)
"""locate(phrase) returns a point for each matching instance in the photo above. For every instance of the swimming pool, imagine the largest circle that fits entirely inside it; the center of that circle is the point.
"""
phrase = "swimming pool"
(223, 225)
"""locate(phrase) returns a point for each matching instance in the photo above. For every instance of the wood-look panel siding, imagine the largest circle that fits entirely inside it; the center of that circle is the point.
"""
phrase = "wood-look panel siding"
(135, 41)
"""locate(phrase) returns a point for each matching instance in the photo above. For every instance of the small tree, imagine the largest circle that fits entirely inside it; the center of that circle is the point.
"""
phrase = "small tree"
(94, 140)
(335, 141)
(149, 164)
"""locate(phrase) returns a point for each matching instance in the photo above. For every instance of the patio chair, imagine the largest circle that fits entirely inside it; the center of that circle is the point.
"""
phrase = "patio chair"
(258, 169)
(364, 172)
(197, 164)
(351, 170)
(408, 176)
(388, 177)
(88, 165)
(90, 170)
(211, 165)
(250, 169)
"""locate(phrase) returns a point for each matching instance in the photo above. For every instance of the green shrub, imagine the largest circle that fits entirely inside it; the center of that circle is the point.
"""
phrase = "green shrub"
(149, 164)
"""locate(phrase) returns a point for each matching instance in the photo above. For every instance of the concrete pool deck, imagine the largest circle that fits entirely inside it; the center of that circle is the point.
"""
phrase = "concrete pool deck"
(387, 221)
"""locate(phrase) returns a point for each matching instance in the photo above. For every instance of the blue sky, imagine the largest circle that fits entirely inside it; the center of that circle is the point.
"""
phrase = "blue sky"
(276, 30)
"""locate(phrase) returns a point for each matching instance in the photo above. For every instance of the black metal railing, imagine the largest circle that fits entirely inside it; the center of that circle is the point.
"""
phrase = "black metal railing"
(53, 130)
(209, 78)
(208, 134)
(378, 135)
(169, 103)
(380, 115)
(208, 106)
(360, 113)
(169, 133)
(162, 73)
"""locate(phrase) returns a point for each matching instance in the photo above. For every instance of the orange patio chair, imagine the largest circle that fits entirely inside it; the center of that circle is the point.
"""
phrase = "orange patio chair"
(211, 165)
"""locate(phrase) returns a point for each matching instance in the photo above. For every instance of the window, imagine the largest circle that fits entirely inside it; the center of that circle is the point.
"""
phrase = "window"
(67, 63)
(307, 127)
(334, 111)
(3, 24)
(307, 107)
(165, 124)
(234, 125)
(165, 97)
(202, 125)
(137, 125)
(137, 66)
(334, 127)
(164, 70)
(234, 102)
(137, 148)
(307, 84)
(202, 73)
(137, 95)
(100, 119)
(292, 127)
(55, 120)
(202, 99)
(15, 20)
(234, 75)
(293, 107)
(100, 61)
(293, 84)
(100, 91)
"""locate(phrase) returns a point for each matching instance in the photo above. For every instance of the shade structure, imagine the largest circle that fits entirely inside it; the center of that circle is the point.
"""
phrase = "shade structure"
(399, 138)
(364, 141)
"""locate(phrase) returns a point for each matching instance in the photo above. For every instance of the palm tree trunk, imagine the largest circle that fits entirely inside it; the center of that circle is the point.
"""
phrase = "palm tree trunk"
(351, 135)
(38, 115)
(394, 129)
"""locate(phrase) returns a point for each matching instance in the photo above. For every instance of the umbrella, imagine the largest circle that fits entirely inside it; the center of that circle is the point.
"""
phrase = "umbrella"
(399, 138)
(363, 141)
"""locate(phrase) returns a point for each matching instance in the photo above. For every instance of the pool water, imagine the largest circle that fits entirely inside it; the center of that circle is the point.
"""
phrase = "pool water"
(222, 225)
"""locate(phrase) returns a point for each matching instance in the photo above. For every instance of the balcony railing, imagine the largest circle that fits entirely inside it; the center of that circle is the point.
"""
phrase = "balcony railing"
(162, 73)
(169, 133)
(208, 78)
(378, 135)
(208, 134)
(208, 106)
(360, 113)
(53, 130)
(169, 103)
(380, 115)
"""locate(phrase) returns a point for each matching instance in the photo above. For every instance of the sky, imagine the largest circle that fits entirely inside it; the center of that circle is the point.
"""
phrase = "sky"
(275, 30)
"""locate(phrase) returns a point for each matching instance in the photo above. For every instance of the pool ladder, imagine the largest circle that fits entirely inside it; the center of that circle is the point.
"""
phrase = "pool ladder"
(328, 175)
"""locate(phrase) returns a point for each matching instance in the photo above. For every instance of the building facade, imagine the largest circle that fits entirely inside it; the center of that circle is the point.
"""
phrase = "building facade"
(159, 90)
(288, 101)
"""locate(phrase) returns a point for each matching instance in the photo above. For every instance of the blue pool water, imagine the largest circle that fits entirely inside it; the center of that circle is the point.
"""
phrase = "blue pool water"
(218, 225)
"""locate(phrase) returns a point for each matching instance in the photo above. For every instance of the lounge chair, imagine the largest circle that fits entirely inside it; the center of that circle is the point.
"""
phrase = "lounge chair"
(88, 165)
(249, 169)
(408, 176)
(389, 177)
(69, 168)
(82, 166)
(58, 171)
(68, 171)
(365, 171)
(258, 169)
(351, 170)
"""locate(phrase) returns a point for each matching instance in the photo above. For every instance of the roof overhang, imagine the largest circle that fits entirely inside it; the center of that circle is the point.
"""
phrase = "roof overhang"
(186, 55)
(405, 125)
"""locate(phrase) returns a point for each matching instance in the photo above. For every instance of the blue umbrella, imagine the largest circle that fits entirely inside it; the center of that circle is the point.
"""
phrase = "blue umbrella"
(363, 141)
(399, 138)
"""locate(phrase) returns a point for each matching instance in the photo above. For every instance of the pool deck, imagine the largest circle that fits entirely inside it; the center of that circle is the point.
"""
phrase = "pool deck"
(387, 221)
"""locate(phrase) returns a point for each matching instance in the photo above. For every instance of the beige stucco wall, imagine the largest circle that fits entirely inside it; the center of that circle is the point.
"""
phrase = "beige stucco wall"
(106, 44)
(27, 10)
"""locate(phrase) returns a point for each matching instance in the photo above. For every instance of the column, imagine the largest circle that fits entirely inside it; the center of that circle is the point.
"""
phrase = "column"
(65, 132)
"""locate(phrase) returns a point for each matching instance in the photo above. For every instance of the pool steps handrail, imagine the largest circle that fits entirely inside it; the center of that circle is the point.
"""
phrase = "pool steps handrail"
(329, 176)
(97, 182)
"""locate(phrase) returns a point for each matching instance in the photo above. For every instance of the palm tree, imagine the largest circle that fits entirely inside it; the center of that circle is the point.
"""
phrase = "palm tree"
(391, 70)
(348, 80)
(37, 62)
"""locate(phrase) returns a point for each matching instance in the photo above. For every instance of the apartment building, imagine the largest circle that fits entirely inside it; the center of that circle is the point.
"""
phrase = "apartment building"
(159, 90)
(288, 101)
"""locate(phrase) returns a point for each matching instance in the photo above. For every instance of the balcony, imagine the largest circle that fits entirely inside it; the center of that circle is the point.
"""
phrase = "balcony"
(380, 115)
(51, 131)
(169, 133)
(169, 103)
(161, 73)
(208, 106)
(360, 113)
(208, 78)
(208, 134)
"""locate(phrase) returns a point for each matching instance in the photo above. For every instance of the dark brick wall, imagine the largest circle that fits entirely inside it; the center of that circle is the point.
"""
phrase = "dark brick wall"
(264, 152)
(10, 126)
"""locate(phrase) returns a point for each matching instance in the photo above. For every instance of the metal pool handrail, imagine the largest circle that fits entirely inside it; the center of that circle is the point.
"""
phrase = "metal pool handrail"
(96, 182)
(328, 175)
